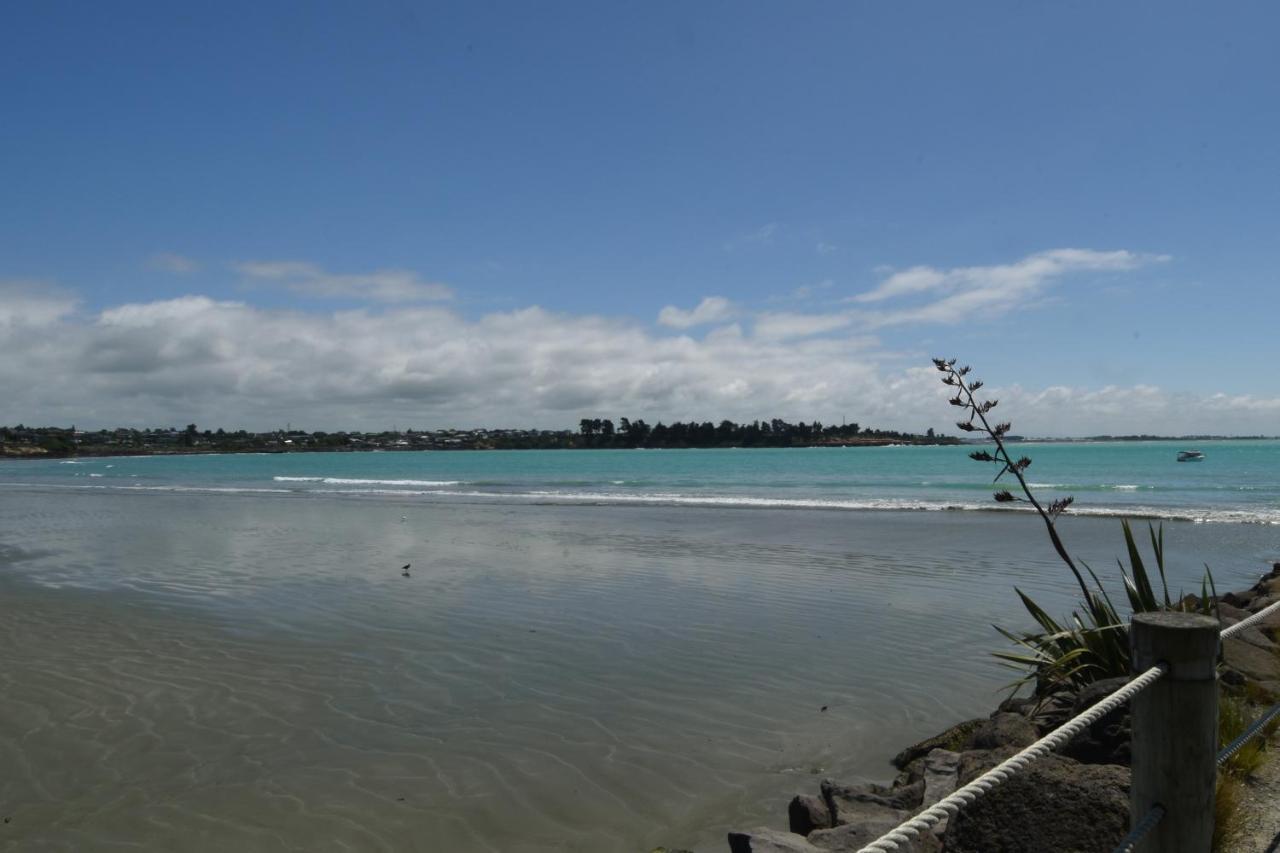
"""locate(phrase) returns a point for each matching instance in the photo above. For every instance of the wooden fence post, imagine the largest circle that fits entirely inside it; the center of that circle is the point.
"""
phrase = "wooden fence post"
(1175, 730)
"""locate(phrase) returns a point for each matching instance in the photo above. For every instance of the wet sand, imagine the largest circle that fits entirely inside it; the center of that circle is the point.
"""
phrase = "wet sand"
(210, 673)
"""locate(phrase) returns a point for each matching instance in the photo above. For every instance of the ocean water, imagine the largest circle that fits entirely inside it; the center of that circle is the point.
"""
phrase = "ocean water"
(1235, 483)
(594, 651)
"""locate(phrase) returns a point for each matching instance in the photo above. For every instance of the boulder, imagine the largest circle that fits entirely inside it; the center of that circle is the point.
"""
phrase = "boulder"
(851, 803)
(1237, 599)
(1255, 662)
(1024, 705)
(974, 762)
(855, 836)
(941, 774)
(765, 840)
(1053, 710)
(1003, 729)
(955, 738)
(805, 813)
(1106, 741)
(1055, 804)
(1255, 633)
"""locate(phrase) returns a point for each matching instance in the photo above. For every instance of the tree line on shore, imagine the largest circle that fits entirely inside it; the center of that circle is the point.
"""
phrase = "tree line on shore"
(602, 432)
(23, 440)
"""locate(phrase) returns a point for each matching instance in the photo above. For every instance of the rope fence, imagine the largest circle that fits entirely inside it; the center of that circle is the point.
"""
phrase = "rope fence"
(951, 804)
(1245, 623)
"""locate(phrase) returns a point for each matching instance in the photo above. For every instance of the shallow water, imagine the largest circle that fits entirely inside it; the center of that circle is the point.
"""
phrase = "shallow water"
(208, 671)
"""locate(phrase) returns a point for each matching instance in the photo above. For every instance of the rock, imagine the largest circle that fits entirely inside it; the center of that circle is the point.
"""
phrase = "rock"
(1237, 599)
(912, 773)
(1053, 711)
(955, 738)
(853, 837)
(1055, 804)
(1024, 705)
(1106, 741)
(975, 762)
(1003, 729)
(941, 771)
(1254, 662)
(765, 840)
(1270, 689)
(851, 803)
(1255, 633)
(806, 813)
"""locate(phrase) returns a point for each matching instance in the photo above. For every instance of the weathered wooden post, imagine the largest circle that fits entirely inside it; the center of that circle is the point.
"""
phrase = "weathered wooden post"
(1175, 730)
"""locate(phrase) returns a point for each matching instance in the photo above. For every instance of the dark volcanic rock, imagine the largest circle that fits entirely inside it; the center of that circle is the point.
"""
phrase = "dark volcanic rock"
(1052, 711)
(851, 838)
(1003, 729)
(975, 762)
(764, 840)
(806, 813)
(941, 771)
(1054, 805)
(1024, 705)
(1254, 661)
(1107, 740)
(850, 803)
(955, 739)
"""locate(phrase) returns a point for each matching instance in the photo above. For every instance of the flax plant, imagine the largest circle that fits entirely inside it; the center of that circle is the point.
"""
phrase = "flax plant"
(1093, 643)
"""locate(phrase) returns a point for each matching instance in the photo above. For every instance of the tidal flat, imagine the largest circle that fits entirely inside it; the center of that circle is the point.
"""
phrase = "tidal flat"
(192, 671)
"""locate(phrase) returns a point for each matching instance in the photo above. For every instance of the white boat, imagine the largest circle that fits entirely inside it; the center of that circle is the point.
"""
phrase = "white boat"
(1190, 455)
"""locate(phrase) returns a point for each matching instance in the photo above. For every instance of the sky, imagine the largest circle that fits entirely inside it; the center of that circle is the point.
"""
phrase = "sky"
(429, 215)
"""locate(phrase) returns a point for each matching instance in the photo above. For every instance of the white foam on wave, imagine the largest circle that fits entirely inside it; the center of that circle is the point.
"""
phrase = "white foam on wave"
(1189, 514)
(347, 481)
(881, 504)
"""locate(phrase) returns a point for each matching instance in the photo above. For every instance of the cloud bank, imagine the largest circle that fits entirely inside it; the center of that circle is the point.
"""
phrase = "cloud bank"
(960, 294)
(233, 364)
(713, 309)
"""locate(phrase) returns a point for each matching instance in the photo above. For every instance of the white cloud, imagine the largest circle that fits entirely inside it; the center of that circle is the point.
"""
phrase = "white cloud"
(960, 293)
(223, 363)
(32, 305)
(385, 285)
(235, 364)
(172, 263)
(783, 326)
(713, 309)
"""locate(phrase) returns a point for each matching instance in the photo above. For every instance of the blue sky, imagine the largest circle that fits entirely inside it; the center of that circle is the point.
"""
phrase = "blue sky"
(354, 214)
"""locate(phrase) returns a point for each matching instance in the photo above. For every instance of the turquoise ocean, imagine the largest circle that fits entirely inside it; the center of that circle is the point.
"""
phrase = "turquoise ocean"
(595, 651)
(1236, 482)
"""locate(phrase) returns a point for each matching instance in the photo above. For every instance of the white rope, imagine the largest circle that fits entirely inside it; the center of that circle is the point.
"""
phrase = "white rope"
(964, 796)
(1245, 623)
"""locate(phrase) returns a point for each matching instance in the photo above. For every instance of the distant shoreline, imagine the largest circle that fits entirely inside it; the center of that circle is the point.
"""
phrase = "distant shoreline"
(20, 452)
(27, 451)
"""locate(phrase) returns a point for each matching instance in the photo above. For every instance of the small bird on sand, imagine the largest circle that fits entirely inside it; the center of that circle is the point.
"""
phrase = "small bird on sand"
(404, 572)
(404, 518)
